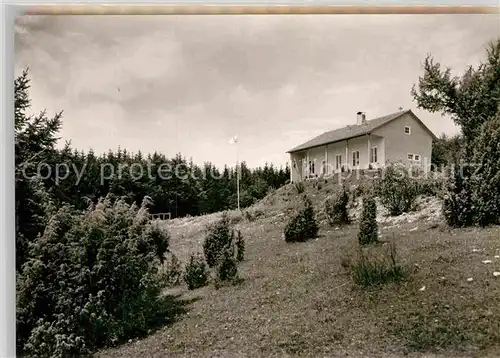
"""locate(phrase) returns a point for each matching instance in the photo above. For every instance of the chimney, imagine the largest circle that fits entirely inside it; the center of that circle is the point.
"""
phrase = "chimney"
(360, 118)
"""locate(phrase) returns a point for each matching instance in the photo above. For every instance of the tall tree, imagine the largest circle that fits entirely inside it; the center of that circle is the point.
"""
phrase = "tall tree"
(446, 150)
(470, 99)
(473, 102)
(35, 140)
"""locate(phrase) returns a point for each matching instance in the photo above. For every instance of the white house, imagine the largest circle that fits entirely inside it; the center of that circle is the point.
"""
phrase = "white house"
(397, 137)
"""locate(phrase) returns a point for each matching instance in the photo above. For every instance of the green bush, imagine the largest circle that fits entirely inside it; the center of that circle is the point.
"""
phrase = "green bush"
(472, 101)
(219, 236)
(300, 187)
(376, 266)
(317, 185)
(486, 176)
(240, 247)
(457, 204)
(432, 185)
(248, 216)
(398, 189)
(302, 226)
(227, 266)
(446, 151)
(363, 188)
(90, 280)
(196, 272)
(368, 229)
(173, 271)
(252, 215)
(336, 207)
(473, 193)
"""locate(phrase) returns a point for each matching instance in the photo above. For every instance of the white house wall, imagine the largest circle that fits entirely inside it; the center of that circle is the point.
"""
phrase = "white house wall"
(333, 150)
(358, 144)
(398, 144)
(378, 142)
(317, 156)
(329, 152)
(297, 163)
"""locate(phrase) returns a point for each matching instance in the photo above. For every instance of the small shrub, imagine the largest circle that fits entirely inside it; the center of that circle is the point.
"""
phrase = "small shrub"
(300, 187)
(248, 216)
(257, 213)
(363, 188)
(336, 207)
(196, 272)
(317, 185)
(240, 247)
(173, 271)
(303, 226)
(457, 204)
(376, 266)
(254, 214)
(368, 229)
(432, 186)
(235, 217)
(398, 190)
(227, 267)
(219, 237)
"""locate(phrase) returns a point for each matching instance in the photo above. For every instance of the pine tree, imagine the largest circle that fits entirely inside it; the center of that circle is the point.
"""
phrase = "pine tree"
(368, 229)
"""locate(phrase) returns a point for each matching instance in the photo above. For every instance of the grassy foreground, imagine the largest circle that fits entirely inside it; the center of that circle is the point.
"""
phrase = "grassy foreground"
(298, 300)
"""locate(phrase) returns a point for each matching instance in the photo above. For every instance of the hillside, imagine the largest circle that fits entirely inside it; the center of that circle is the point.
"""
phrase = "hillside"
(298, 300)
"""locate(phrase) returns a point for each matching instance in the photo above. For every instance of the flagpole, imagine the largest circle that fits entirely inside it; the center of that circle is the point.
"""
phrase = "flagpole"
(237, 177)
(234, 141)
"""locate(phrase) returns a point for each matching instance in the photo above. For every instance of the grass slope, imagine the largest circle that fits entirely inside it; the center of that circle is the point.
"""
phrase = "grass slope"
(297, 300)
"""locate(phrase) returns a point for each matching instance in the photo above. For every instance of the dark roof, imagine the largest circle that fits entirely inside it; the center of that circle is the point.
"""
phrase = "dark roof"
(351, 131)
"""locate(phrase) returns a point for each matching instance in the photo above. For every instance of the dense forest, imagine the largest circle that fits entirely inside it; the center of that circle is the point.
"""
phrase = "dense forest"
(69, 176)
(174, 184)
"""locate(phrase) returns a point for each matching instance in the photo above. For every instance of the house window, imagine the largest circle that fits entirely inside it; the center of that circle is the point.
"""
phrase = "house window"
(338, 161)
(373, 155)
(417, 157)
(410, 156)
(323, 168)
(407, 130)
(355, 158)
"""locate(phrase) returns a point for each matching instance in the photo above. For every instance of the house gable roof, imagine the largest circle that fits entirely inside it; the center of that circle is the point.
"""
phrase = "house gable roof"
(352, 131)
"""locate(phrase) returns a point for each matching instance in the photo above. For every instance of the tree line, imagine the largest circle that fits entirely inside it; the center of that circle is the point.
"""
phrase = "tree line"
(176, 185)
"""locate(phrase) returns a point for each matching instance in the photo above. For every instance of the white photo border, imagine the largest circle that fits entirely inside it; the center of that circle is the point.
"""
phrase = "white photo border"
(8, 13)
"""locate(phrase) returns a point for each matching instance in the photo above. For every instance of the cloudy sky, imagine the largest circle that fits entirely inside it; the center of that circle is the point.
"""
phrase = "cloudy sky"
(189, 83)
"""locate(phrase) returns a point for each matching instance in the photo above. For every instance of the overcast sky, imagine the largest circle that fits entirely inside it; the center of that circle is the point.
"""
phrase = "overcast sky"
(189, 83)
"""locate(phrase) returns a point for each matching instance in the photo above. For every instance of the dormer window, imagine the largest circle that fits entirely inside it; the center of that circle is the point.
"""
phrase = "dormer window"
(407, 130)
